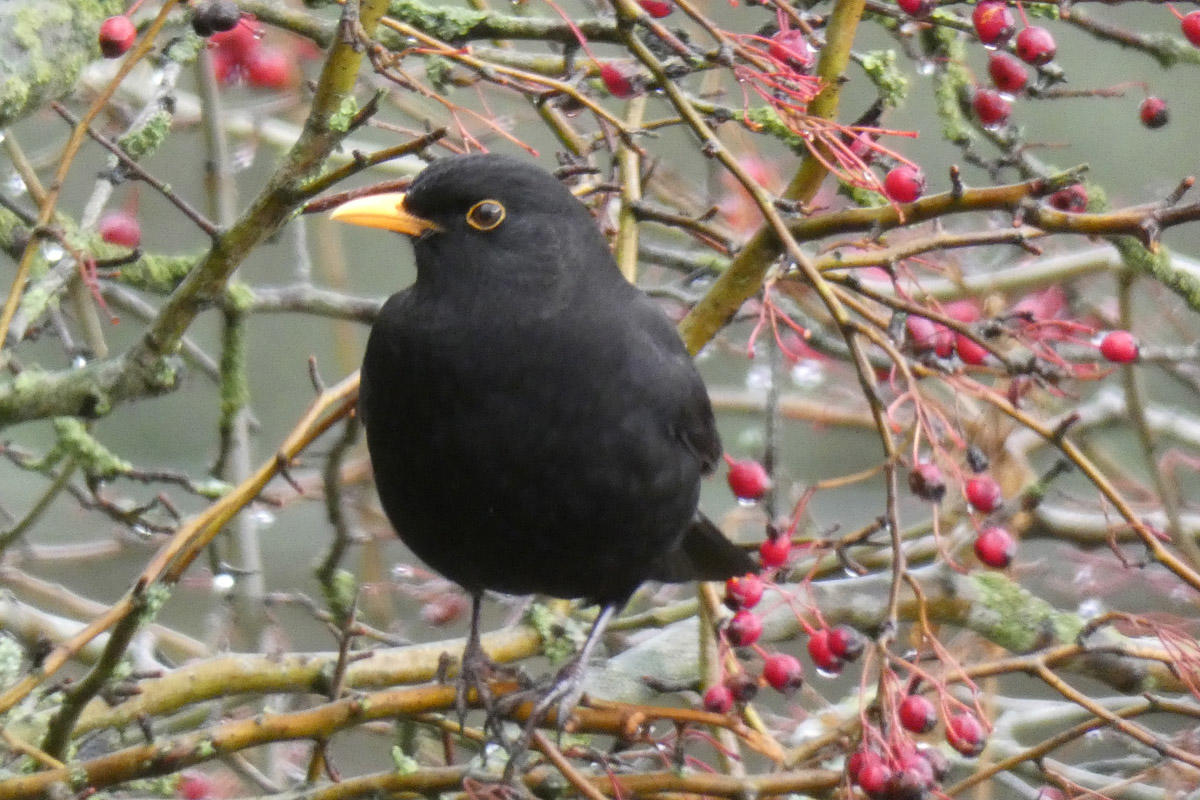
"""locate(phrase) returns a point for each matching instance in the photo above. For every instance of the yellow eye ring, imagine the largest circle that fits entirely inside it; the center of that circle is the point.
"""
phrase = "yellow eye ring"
(486, 215)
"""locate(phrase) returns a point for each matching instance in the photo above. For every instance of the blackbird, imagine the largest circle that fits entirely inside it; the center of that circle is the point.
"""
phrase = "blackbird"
(534, 422)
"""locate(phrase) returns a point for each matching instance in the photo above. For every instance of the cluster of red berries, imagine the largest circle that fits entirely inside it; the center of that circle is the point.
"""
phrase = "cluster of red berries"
(239, 50)
(909, 771)
(241, 53)
(750, 482)
(994, 545)
(928, 336)
(829, 648)
(1034, 45)
(909, 774)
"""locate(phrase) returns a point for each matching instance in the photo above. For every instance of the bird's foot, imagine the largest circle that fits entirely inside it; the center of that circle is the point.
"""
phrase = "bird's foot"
(475, 674)
(561, 696)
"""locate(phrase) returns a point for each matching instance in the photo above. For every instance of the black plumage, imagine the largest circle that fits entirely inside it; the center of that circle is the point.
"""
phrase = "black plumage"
(534, 421)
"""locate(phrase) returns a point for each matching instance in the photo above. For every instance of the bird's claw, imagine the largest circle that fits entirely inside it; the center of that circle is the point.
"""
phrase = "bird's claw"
(562, 696)
(476, 672)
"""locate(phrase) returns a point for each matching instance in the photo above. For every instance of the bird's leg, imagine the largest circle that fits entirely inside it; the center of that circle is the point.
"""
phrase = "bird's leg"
(475, 669)
(563, 693)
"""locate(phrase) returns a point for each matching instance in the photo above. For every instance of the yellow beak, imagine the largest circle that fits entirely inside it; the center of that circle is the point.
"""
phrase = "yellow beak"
(382, 211)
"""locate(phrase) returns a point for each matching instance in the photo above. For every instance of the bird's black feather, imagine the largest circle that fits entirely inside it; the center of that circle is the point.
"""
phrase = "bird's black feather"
(534, 421)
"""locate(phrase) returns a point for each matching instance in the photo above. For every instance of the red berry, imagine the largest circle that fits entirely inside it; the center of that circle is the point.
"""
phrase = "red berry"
(965, 734)
(970, 351)
(993, 21)
(718, 699)
(995, 547)
(774, 552)
(1035, 45)
(857, 760)
(270, 68)
(1007, 72)
(747, 479)
(744, 629)
(926, 481)
(846, 643)
(1073, 199)
(1119, 347)
(120, 228)
(917, 714)
(194, 785)
(790, 47)
(821, 653)
(783, 673)
(444, 609)
(874, 778)
(943, 346)
(991, 107)
(240, 41)
(921, 332)
(117, 35)
(917, 9)
(911, 779)
(904, 184)
(983, 493)
(928, 335)
(743, 592)
(618, 83)
(1153, 112)
(1190, 25)
(963, 310)
(656, 8)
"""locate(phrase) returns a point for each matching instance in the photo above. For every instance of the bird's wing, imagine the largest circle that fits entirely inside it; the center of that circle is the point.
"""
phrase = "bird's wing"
(681, 388)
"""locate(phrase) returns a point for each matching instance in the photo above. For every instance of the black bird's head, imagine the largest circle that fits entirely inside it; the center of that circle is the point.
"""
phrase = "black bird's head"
(487, 215)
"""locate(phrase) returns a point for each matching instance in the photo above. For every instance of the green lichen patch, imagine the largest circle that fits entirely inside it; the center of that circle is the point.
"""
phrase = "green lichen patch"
(157, 274)
(146, 138)
(1013, 617)
(767, 120)
(75, 441)
(445, 22)
(880, 66)
(561, 636)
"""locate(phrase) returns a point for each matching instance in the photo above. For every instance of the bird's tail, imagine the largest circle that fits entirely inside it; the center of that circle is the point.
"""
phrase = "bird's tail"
(703, 554)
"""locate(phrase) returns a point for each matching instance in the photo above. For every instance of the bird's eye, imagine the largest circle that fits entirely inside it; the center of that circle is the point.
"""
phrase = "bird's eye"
(485, 215)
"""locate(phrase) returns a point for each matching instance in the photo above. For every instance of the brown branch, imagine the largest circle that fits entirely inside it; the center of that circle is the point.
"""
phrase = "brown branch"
(141, 174)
